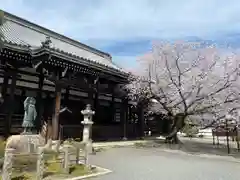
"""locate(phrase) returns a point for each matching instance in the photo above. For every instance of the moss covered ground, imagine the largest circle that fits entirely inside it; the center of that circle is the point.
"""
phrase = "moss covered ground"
(24, 166)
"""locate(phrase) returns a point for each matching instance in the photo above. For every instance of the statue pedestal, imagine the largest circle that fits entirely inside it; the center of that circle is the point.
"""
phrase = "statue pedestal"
(26, 133)
(55, 145)
(30, 142)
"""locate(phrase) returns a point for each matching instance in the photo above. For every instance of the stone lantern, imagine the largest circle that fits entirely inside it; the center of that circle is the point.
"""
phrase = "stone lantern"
(87, 123)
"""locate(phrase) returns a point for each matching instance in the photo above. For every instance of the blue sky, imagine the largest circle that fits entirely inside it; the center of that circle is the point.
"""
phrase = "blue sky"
(126, 28)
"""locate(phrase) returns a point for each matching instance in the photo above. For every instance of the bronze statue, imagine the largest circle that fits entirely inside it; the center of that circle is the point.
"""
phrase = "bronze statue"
(30, 115)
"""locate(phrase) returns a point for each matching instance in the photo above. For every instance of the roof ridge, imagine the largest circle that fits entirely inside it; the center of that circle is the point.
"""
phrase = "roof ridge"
(56, 35)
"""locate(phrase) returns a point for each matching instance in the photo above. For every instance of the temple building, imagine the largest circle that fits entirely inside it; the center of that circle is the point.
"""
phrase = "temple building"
(63, 75)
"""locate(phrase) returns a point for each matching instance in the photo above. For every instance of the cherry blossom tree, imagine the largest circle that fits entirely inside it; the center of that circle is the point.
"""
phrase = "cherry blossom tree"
(187, 81)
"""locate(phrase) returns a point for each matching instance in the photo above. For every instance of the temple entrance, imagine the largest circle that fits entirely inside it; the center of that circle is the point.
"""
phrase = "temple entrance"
(70, 118)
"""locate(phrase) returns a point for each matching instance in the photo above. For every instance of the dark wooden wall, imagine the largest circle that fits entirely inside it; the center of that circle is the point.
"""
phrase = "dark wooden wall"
(112, 119)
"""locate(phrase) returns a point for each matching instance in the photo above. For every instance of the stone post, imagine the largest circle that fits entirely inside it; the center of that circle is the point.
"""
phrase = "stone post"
(29, 144)
(66, 158)
(87, 123)
(40, 163)
(7, 165)
(85, 151)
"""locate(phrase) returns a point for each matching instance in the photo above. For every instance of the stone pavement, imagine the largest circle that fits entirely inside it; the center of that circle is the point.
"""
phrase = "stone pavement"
(205, 146)
(191, 145)
(153, 164)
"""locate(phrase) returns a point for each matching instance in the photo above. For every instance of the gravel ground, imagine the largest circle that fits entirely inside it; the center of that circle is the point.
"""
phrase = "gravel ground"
(155, 164)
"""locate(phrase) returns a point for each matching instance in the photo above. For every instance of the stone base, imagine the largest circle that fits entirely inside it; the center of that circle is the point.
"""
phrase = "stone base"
(89, 147)
(124, 139)
(142, 138)
(27, 133)
(29, 142)
(55, 145)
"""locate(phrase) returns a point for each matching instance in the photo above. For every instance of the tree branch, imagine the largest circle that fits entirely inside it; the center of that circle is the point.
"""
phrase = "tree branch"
(179, 83)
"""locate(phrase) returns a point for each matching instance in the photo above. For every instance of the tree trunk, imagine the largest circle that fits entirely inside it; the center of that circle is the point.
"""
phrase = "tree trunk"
(172, 137)
(178, 124)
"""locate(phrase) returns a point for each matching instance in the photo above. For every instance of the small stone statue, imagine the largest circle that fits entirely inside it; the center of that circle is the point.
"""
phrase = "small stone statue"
(30, 115)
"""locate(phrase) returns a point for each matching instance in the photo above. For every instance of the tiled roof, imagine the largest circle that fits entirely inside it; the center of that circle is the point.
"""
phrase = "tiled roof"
(21, 32)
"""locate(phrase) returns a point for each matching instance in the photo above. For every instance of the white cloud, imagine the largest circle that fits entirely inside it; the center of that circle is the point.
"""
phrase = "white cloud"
(103, 22)
(127, 62)
(121, 20)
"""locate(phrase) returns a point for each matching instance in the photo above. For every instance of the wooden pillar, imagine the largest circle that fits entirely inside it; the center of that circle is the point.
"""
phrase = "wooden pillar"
(90, 96)
(124, 117)
(95, 106)
(66, 96)
(58, 96)
(113, 111)
(95, 102)
(55, 120)
(141, 123)
(129, 113)
(91, 101)
(40, 105)
(4, 85)
(11, 101)
(129, 122)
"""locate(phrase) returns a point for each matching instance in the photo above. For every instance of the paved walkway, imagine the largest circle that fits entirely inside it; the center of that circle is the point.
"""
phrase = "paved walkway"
(154, 164)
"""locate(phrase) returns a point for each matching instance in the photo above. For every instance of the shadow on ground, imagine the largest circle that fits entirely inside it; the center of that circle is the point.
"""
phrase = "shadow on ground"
(192, 146)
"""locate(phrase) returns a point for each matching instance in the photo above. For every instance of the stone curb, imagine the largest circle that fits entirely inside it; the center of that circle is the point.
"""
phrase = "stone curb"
(104, 171)
(116, 145)
(226, 158)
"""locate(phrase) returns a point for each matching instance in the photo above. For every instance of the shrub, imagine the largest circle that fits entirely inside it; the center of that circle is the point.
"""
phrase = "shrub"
(190, 130)
(2, 147)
